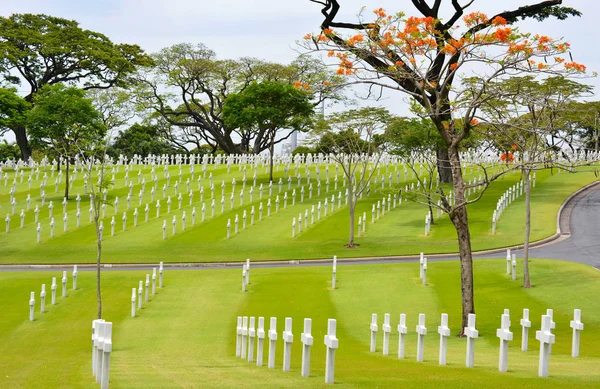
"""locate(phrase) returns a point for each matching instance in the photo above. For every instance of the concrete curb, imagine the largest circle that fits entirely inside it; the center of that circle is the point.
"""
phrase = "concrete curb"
(558, 236)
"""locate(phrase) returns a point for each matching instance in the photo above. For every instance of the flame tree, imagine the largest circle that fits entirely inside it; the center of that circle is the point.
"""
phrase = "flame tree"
(426, 58)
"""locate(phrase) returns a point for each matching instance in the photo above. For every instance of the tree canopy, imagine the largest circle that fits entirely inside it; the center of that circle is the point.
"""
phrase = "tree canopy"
(46, 50)
(63, 119)
(141, 140)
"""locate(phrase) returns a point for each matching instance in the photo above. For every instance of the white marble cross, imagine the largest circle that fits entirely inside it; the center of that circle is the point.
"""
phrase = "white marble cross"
(546, 339)
(64, 284)
(421, 258)
(514, 267)
(307, 340)
(288, 339)
(251, 336)
(525, 324)
(153, 281)
(421, 332)
(75, 277)
(272, 341)
(105, 345)
(402, 331)
(140, 290)
(53, 288)
(505, 336)
(133, 302)
(238, 337)
(43, 299)
(31, 305)
(444, 332)
(260, 334)
(424, 271)
(508, 260)
(374, 329)
(387, 329)
(471, 334)
(331, 342)
(550, 313)
(160, 272)
(147, 287)
(577, 327)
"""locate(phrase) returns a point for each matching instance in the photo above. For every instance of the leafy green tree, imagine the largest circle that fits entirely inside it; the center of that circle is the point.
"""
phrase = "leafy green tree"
(189, 85)
(266, 109)
(141, 140)
(13, 109)
(64, 120)
(46, 50)
(302, 150)
(8, 151)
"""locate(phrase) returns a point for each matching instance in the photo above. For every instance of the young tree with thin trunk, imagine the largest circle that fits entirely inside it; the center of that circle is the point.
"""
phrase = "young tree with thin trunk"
(349, 138)
(426, 57)
(525, 115)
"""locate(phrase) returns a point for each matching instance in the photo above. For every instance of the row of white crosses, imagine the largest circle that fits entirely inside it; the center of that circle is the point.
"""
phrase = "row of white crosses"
(511, 194)
(53, 288)
(544, 336)
(247, 333)
(101, 350)
(511, 264)
(140, 289)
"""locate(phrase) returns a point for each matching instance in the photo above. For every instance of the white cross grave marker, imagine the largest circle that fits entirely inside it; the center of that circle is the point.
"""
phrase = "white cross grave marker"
(307, 341)
(577, 327)
(374, 329)
(505, 336)
(402, 331)
(471, 334)
(331, 342)
(444, 332)
(421, 332)
(546, 339)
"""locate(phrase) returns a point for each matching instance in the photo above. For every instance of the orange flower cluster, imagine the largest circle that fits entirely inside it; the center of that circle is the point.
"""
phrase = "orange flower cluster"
(498, 21)
(380, 13)
(520, 48)
(300, 84)
(503, 34)
(475, 18)
(575, 66)
(355, 39)
(453, 66)
(454, 45)
(346, 66)
(507, 157)
(474, 122)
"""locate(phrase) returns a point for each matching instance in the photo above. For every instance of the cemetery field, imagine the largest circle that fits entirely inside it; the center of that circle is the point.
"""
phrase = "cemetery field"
(399, 231)
(185, 336)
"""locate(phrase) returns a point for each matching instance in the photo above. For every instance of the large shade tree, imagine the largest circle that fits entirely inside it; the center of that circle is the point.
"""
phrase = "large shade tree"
(426, 56)
(189, 85)
(39, 50)
(271, 111)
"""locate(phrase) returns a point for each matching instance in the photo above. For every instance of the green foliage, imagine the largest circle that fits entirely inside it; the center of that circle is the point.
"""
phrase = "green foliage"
(13, 109)
(9, 151)
(266, 108)
(403, 136)
(49, 50)
(65, 120)
(303, 150)
(351, 132)
(141, 140)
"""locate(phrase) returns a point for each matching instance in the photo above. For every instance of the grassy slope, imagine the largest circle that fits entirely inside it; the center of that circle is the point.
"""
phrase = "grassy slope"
(398, 232)
(185, 336)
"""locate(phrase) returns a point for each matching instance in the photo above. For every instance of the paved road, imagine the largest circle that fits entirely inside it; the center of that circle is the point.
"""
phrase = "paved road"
(579, 242)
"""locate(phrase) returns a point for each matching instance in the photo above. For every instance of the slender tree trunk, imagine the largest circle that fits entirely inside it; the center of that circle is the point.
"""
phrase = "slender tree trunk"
(443, 165)
(272, 153)
(461, 223)
(22, 142)
(67, 180)
(351, 208)
(527, 183)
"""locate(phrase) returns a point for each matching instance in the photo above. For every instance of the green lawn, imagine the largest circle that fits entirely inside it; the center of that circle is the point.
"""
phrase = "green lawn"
(399, 232)
(185, 337)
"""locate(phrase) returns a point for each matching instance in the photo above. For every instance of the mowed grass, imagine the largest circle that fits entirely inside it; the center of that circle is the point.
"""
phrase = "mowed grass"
(185, 336)
(399, 232)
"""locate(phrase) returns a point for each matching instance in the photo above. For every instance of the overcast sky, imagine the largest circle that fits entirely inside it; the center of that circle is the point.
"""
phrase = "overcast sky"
(268, 29)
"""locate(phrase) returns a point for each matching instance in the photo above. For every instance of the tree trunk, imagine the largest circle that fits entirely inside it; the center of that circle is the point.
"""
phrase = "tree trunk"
(67, 179)
(272, 153)
(96, 203)
(351, 208)
(527, 183)
(443, 165)
(461, 223)
(22, 142)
